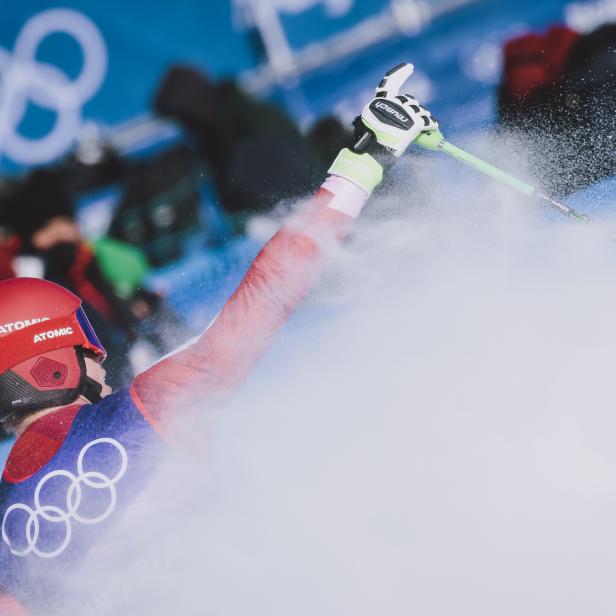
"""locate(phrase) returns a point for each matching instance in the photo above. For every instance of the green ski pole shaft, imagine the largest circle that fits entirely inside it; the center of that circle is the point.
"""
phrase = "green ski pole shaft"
(435, 141)
(487, 168)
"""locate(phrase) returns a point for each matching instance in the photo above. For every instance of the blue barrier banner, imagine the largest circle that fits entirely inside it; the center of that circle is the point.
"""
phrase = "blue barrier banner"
(457, 56)
(63, 64)
(309, 22)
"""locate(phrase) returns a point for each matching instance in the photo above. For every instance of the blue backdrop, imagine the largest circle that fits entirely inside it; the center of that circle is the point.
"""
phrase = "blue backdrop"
(126, 47)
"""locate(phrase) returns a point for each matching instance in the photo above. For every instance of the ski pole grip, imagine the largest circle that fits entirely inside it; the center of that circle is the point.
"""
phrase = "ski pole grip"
(431, 140)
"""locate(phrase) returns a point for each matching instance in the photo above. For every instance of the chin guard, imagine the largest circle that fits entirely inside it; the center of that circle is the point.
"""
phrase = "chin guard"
(19, 398)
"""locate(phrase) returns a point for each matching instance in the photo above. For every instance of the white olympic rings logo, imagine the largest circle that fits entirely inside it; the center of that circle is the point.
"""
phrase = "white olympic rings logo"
(24, 79)
(51, 513)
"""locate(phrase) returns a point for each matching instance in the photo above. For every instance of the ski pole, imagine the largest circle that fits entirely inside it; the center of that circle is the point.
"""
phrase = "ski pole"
(434, 140)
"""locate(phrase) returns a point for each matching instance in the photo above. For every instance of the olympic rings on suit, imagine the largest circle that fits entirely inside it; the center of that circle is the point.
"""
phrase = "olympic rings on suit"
(74, 497)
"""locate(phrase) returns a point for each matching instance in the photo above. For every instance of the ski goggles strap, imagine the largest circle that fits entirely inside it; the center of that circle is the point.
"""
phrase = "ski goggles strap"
(50, 335)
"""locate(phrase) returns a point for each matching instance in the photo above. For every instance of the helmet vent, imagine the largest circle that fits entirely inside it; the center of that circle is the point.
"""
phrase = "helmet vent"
(49, 373)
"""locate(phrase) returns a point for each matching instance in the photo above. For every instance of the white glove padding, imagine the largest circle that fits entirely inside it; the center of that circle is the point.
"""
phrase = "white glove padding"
(394, 120)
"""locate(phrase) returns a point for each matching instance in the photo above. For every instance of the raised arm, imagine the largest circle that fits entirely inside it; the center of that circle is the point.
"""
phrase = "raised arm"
(288, 266)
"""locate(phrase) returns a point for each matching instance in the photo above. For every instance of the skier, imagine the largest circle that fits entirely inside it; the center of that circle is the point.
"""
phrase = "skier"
(82, 452)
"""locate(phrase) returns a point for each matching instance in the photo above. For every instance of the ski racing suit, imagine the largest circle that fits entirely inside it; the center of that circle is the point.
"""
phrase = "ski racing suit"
(73, 472)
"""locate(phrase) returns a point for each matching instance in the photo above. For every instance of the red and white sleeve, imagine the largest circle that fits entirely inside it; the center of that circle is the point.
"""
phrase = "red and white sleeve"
(279, 278)
(10, 607)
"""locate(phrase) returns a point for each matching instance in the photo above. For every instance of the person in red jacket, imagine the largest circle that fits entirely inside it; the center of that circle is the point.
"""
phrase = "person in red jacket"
(82, 452)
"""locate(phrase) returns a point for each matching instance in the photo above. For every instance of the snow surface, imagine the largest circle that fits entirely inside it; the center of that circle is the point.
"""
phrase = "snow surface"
(440, 443)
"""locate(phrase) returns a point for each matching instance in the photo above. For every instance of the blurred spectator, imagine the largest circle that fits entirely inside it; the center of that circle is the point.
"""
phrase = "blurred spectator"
(255, 152)
(160, 204)
(37, 214)
(559, 91)
(329, 137)
(39, 211)
(93, 163)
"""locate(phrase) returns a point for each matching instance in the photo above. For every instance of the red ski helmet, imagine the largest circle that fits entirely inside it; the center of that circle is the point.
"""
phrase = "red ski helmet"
(44, 334)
